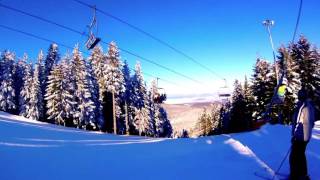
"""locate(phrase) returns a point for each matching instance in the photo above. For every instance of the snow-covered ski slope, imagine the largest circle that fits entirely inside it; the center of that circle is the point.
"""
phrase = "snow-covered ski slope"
(39, 151)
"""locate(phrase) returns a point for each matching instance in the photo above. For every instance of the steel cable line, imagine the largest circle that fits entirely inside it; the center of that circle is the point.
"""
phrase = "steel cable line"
(297, 22)
(33, 35)
(69, 47)
(152, 37)
(84, 34)
(40, 18)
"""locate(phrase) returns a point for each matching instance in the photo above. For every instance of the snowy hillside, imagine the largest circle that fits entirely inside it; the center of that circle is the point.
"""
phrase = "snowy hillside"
(34, 150)
(185, 116)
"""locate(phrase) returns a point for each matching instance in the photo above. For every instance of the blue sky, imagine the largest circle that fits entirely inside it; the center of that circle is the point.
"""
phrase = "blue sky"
(226, 36)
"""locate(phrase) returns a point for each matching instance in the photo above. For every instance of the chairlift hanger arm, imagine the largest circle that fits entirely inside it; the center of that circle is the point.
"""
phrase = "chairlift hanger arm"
(94, 19)
(92, 40)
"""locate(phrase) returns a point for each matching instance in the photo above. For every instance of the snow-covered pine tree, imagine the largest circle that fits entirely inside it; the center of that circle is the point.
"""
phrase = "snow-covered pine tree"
(19, 74)
(126, 96)
(85, 105)
(99, 64)
(51, 59)
(184, 134)
(127, 79)
(290, 69)
(68, 97)
(139, 98)
(113, 74)
(249, 101)
(53, 96)
(42, 78)
(303, 53)
(41, 67)
(204, 125)
(148, 122)
(141, 121)
(215, 115)
(263, 84)
(306, 57)
(138, 88)
(209, 125)
(317, 91)
(1, 64)
(115, 83)
(36, 98)
(162, 124)
(208, 121)
(224, 120)
(7, 93)
(155, 110)
(166, 125)
(25, 93)
(238, 120)
(94, 89)
(150, 105)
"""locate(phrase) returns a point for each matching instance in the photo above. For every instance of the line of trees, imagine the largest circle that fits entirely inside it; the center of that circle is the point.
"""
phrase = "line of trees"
(76, 92)
(300, 62)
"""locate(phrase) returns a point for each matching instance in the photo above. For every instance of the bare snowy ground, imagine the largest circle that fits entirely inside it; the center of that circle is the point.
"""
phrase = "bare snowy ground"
(33, 150)
(184, 116)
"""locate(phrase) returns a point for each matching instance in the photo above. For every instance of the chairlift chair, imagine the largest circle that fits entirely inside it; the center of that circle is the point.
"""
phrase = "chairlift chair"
(92, 40)
(224, 93)
(160, 96)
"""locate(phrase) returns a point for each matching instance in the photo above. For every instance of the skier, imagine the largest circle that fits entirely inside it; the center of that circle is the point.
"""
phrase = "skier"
(281, 91)
(278, 98)
(303, 122)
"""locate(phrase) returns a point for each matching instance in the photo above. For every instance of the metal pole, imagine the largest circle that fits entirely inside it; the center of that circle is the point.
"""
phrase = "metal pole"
(268, 24)
(114, 114)
(277, 171)
(157, 82)
(126, 118)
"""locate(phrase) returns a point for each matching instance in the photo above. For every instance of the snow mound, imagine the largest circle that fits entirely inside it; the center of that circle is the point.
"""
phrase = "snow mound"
(36, 150)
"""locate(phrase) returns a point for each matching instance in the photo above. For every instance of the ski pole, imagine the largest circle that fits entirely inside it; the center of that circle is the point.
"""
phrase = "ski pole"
(277, 171)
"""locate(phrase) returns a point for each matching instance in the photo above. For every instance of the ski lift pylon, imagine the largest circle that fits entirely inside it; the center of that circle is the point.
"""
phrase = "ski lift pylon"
(92, 40)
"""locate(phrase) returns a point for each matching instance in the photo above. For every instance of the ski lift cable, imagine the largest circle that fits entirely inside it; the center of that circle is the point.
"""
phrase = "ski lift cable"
(34, 36)
(164, 80)
(40, 18)
(157, 64)
(66, 46)
(298, 21)
(156, 77)
(85, 34)
(152, 37)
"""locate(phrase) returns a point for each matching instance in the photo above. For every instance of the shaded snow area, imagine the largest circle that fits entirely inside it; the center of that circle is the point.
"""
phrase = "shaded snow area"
(40, 151)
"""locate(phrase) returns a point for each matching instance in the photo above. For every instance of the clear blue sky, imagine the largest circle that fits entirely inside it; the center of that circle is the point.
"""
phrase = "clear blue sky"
(225, 35)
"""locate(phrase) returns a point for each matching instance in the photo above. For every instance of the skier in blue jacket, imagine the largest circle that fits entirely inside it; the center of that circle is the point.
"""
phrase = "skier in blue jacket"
(303, 122)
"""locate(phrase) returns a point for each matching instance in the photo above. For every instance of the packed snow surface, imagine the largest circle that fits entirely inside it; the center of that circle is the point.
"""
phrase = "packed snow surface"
(35, 150)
